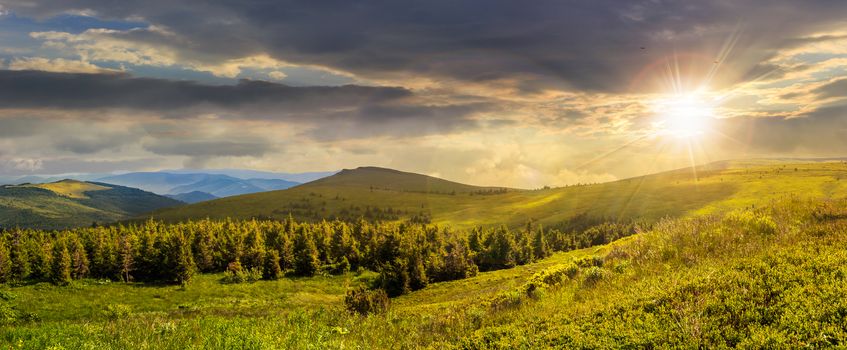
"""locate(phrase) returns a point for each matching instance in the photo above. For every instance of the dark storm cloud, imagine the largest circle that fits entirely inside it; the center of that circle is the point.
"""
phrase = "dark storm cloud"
(589, 45)
(81, 145)
(37, 89)
(209, 148)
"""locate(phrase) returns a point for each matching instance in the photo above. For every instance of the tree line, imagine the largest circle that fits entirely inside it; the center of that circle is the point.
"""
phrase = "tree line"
(407, 255)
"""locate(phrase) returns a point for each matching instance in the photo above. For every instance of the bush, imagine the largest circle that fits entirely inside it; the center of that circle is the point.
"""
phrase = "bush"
(235, 273)
(507, 299)
(116, 311)
(751, 222)
(364, 301)
(595, 274)
(551, 277)
(338, 268)
(590, 261)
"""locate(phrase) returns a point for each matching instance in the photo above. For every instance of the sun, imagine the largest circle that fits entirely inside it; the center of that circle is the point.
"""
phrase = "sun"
(684, 116)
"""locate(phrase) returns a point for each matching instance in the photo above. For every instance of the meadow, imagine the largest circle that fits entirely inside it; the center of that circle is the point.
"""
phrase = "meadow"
(711, 188)
(772, 276)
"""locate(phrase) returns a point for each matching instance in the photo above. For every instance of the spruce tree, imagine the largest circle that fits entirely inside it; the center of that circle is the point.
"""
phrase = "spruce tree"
(183, 259)
(126, 257)
(254, 248)
(306, 259)
(5, 263)
(61, 264)
(286, 253)
(19, 257)
(539, 245)
(79, 259)
(417, 273)
(272, 270)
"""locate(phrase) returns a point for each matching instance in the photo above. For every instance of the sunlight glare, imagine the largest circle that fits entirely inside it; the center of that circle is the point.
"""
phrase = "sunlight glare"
(683, 115)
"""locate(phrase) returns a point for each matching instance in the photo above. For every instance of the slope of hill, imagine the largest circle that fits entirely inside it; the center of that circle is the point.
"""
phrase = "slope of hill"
(375, 193)
(771, 277)
(214, 184)
(192, 197)
(257, 174)
(71, 203)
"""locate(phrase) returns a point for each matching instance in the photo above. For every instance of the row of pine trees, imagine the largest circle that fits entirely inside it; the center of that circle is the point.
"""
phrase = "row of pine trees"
(408, 256)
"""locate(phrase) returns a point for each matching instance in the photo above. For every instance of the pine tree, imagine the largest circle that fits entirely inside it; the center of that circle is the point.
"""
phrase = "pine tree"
(306, 260)
(343, 244)
(41, 254)
(394, 278)
(254, 248)
(184, 267)
(539, 245)
(79, 259)
(19, 257)
(417, 274)
(272, 270)
(61, 264)
(286, 253)
(5, 263)
(126, 257)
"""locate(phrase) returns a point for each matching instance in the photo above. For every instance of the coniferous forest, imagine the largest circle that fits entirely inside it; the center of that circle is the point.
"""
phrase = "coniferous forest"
(408, 256)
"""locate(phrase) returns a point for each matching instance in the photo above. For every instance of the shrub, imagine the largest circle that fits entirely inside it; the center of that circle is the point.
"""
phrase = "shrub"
(594, 274)
(339, 268)
(116, 311)
(507, 299)
(590, 261)
(235, 273)
(551, 277)
(751, 222)
(364, 301)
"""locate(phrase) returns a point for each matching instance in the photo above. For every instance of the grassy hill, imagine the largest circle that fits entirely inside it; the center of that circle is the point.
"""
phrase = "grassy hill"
(385, 194)
(770, 277)
(71, 203)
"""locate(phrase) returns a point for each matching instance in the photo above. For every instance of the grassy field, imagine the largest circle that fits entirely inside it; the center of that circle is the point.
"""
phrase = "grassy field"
(769, 277)
(716, 187)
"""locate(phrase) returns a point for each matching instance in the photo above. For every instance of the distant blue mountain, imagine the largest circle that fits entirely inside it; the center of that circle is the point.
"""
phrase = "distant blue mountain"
(213, 184)
(192, 197)
(255, 174)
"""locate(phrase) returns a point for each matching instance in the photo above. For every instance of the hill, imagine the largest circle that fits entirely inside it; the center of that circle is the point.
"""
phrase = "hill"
(384, 194)
(71, 203)
(214, 184)
(770, 277)
(192, 197)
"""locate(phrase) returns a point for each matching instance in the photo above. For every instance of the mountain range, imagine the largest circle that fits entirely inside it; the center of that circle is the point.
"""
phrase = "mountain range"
(188, 185)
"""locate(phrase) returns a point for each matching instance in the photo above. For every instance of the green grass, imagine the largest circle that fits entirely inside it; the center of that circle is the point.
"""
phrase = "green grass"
(716, 188)
(770, 274)
(767, 277)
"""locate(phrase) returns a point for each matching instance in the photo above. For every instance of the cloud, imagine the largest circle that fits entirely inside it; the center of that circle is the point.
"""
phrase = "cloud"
(208, 148)
(542, 44)
(361, 111)
(55, 65)
(837, 88)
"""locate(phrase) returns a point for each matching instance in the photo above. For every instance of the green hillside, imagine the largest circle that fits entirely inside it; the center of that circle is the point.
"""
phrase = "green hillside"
(375, 193)
(71, 203)
(770, 277)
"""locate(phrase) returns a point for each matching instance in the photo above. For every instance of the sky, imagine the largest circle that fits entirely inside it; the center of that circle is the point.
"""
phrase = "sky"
(488, 92)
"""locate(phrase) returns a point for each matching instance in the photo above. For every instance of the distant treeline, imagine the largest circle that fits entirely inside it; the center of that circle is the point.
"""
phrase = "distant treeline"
(408, 255)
